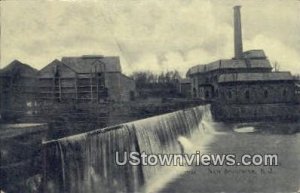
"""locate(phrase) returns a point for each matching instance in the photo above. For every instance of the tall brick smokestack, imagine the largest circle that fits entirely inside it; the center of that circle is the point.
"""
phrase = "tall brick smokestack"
(238, 42)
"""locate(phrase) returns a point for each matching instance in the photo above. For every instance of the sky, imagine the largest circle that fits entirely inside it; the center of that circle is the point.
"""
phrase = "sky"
(155, 35)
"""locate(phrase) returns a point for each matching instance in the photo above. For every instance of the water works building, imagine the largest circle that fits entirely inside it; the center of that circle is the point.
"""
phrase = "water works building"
(244, 87)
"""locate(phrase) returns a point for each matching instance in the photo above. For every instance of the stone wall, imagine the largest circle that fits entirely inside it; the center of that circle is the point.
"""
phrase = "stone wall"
(269, 92)
(211, 77)
(256, 112)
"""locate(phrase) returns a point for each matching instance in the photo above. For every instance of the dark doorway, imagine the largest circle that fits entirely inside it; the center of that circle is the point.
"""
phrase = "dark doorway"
(131, 95)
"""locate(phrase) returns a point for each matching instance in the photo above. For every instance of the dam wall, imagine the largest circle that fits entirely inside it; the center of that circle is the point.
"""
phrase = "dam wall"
(85, 163)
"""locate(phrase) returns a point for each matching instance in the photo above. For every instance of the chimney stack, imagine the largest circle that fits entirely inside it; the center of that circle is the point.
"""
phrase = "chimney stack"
(238, 42)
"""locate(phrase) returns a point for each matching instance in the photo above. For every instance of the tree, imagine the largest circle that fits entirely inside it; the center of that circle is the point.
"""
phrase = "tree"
(146, 77)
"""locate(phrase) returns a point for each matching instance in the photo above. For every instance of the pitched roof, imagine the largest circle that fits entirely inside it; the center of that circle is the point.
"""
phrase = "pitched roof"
(251, 77)
(88, 64)
(229, 64)
(255, 54)
(55, 62)
(253, 59)
(49, 70)
(18, 67)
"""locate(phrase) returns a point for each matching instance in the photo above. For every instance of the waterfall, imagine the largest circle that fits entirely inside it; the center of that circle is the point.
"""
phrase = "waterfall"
(85, 163)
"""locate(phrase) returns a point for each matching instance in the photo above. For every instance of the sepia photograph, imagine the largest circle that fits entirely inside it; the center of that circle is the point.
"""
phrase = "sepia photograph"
(149, 96)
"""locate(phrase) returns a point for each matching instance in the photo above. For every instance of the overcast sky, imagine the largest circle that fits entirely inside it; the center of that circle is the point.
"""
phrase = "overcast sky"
(155, 35)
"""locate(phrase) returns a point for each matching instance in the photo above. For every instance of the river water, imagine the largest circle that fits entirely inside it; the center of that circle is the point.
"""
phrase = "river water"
(86, 162)
(282, 178)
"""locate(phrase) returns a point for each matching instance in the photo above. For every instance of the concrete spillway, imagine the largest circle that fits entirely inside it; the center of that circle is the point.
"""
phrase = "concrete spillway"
(85, 163)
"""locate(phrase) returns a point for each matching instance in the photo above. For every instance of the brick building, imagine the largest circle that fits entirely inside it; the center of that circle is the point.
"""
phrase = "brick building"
(244, 87)
(204, 78)
(255, 88)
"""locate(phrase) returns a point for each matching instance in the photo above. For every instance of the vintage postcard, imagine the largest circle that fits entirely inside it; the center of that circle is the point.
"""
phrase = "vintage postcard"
(149, 96)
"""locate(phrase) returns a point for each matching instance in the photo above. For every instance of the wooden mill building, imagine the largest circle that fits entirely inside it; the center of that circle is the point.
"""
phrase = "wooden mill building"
(89, 78)
(18, 87)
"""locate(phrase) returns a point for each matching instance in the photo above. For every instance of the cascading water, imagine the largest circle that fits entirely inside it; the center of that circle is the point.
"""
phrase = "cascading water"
(85, 163)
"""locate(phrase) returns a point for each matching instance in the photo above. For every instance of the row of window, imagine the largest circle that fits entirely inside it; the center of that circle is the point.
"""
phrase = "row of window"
(207, 79)
(229, 94)
(247, 94)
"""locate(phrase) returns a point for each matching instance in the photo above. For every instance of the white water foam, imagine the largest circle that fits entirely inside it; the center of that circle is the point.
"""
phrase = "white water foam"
(200, 141)
(244, 130)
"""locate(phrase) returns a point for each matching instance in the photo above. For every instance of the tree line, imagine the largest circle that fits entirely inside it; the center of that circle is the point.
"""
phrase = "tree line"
(146, 79)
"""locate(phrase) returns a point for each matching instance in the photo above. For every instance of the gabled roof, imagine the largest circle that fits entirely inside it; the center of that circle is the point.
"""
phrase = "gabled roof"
(49, 70)
(55, 62)
(252, 77)
(88, 64)
(16, 66)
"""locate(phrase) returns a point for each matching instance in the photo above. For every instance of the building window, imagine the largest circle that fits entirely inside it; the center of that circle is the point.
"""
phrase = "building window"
(229, 94)
(284, 93)
(222, 94)
(15, 78)
(57, 86)
(132, 95)
(266, 94)
(207, 94)
(207, 80)
(194, 92)
(247, 94)
(216, 78)
(100, 81)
